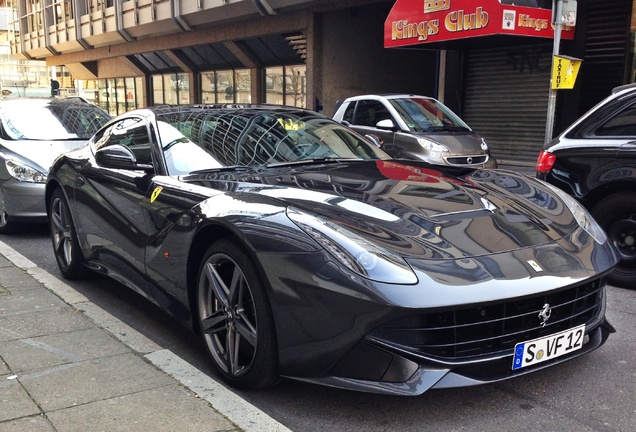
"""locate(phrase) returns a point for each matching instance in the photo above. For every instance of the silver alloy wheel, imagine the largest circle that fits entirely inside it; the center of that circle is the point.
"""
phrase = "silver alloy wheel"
(62, 232)
(228, 315)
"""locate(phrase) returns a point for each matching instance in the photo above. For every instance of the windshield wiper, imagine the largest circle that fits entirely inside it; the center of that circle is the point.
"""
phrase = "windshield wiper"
(223, 168)
(448, 128)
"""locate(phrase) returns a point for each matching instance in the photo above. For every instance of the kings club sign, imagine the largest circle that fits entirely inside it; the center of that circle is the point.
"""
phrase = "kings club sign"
(413, 22)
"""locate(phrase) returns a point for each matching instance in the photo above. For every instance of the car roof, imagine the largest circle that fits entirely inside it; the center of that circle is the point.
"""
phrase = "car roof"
(624, 88)
(388, 96)
(244, 109)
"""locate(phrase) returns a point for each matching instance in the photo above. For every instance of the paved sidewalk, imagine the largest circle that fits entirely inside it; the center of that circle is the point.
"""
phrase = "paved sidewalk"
(66, 365)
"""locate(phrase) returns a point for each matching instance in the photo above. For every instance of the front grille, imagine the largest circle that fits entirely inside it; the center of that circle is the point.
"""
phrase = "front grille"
(456, 335)
(467, 160)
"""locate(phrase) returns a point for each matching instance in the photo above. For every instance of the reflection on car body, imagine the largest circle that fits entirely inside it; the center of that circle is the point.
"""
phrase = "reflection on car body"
(298, 249)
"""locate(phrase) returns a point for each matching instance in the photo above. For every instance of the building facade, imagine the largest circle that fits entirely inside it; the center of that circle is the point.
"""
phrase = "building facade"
(124, 54)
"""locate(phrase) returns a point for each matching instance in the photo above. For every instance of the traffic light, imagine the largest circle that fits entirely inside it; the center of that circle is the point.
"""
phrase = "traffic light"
(55, 88)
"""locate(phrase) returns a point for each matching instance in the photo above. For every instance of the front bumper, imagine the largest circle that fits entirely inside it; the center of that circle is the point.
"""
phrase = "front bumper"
(427, 375)
(24, 202)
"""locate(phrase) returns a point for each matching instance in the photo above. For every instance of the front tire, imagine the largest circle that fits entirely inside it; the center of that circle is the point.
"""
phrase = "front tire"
(235, 317)
(616, 214)
(6, 227)
(64, 237)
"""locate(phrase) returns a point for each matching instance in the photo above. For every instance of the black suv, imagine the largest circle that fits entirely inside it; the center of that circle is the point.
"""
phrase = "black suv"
(594, 160)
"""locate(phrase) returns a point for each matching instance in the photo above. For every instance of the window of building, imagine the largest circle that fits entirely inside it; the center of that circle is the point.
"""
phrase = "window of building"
(34, 15)
(208, 87)
(62, 10)
(286, 85)
(116, 95)
(226, 86)
(172, 89)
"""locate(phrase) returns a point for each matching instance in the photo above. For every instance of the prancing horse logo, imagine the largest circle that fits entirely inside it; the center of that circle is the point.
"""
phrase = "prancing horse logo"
(545, 313)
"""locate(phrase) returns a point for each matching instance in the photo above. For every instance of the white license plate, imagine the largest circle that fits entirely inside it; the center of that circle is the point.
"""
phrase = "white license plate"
(547, 348)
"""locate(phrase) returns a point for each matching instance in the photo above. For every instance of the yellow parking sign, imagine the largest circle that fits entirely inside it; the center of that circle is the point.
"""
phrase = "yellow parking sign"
(564, 72)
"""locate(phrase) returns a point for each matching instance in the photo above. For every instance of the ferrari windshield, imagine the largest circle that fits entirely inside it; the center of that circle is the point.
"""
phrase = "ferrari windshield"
(424, 114)
(259, 137)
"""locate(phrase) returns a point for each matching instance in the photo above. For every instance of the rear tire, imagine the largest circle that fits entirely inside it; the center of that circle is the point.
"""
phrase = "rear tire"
(64, 237)
(616, 214)
(235, 317)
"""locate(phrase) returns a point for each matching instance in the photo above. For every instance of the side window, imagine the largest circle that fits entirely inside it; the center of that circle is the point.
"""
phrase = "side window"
(131, 133)
(621, 124)
(370, 112)
(348, 114)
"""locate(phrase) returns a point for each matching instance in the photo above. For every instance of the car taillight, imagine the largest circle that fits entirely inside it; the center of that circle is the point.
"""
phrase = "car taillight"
(545, 161)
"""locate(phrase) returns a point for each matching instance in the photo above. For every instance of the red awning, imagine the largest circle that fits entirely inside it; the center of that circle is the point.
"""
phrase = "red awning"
(413, 22)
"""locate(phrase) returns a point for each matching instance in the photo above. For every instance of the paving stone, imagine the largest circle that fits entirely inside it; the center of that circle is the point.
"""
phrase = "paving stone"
(21, 300)
(14, 400)
(40, 323)
(28, 424)
(168, 409)
(89, 381)
(52, 350)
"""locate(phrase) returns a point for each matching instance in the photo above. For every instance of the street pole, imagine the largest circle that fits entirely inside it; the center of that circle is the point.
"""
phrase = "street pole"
(558, 24)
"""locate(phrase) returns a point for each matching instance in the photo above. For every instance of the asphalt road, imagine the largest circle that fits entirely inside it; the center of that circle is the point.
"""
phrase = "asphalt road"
(594, 393)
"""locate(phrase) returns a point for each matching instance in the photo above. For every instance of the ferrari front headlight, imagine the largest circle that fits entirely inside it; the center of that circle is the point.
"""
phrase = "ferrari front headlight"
(24, 172)
(582, 216)
(353, 251)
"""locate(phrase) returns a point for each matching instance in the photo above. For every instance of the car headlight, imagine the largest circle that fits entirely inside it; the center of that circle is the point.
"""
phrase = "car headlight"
(435, 150)
(23, 172)
(359, 255)
(484, 146)
(582, 216)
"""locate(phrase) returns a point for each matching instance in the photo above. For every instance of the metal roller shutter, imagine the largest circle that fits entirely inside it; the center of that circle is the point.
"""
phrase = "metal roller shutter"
(506, 99)
(606, 49)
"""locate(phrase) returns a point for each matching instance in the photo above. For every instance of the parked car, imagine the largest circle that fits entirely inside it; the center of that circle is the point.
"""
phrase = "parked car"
(594, 160)
(415, 127)
(298, 249)
(33, 132)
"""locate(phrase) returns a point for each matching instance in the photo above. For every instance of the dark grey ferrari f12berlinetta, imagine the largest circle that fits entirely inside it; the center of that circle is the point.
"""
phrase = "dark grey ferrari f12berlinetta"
(298, 249)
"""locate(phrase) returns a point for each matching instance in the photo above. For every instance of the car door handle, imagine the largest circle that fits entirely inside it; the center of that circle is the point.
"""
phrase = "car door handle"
(79, 181)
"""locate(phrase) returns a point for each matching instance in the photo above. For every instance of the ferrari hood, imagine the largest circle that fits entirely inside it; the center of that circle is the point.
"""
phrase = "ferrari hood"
(419, 211)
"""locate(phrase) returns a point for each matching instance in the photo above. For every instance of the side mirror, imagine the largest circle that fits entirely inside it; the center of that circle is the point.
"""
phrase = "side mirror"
(119, 157)
(385, 124)
(376, 140)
